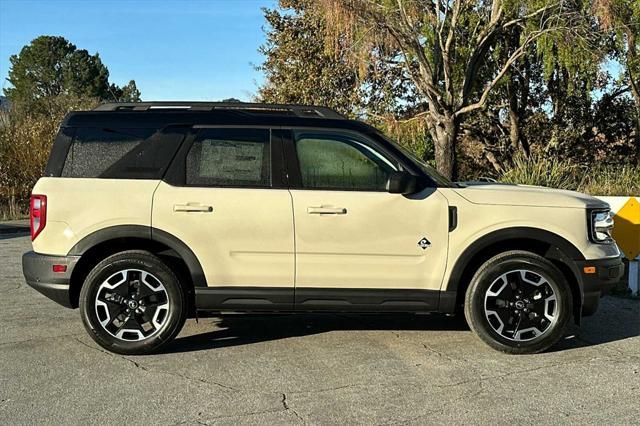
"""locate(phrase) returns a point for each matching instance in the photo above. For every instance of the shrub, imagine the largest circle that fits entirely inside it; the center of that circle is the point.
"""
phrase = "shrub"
(596, 180)
(25, 143)
(612, 180)
(543, 171)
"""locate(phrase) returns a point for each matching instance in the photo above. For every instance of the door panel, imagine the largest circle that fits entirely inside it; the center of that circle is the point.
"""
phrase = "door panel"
(359, 247)
(242, 237)
(225, 200)
(374, 244)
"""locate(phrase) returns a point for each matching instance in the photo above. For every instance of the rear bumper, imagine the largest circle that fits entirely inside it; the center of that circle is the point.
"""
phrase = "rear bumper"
(608, 273)
(38, 273)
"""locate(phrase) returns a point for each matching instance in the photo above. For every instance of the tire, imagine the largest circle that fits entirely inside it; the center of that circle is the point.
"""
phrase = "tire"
(527, 295)
(131, 303)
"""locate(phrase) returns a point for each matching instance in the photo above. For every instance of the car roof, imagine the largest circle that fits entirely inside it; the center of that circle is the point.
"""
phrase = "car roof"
(162, 114)
(313, 111)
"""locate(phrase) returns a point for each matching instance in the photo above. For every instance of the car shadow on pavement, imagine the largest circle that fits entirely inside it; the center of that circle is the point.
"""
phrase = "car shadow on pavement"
(617, 319)
(242, 329)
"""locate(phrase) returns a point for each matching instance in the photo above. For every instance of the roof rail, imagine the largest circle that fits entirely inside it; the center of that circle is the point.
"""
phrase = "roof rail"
(285, 109)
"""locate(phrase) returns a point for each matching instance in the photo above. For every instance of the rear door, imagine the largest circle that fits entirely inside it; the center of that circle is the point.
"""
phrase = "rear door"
(359, 247)
(225, 198)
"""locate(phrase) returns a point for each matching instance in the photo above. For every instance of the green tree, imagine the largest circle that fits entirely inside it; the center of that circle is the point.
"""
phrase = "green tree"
(298, 67)
(622, 19)
(127, 93)
(448, 47)
(52, 66)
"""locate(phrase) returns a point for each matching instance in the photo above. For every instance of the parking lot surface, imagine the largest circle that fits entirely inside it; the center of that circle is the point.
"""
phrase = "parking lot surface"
(309, 369)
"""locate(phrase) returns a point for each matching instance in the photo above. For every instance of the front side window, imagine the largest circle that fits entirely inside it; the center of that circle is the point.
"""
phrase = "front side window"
(230, 157)
(341, 162)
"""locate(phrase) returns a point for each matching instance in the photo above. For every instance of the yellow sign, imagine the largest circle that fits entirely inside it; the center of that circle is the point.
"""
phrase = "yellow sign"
(626, 229)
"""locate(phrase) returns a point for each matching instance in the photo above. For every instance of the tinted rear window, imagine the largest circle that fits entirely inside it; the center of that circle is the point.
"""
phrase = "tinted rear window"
(94, 150)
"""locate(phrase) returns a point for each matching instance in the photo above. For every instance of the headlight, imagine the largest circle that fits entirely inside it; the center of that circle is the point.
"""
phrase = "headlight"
(600, 226)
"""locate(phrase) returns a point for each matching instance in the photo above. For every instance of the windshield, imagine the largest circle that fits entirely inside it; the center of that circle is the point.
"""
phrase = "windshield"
(426, 168)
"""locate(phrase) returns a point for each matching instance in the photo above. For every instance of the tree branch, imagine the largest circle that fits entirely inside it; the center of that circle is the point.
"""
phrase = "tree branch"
(486, 37)
(512, 59)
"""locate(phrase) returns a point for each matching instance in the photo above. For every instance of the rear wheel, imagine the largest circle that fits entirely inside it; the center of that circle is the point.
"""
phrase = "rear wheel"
(518, 302)
(132, 303)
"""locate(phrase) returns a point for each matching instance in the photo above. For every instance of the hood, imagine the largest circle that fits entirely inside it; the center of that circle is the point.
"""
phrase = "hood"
(526, 195)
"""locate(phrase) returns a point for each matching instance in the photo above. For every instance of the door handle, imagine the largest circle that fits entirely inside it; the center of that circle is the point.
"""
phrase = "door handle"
(192, 208)
(326, 210)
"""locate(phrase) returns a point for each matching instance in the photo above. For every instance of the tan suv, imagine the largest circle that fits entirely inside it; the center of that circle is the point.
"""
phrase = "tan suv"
(151, 212)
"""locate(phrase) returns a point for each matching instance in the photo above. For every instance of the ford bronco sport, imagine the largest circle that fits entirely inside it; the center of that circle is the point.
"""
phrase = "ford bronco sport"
(151, 212)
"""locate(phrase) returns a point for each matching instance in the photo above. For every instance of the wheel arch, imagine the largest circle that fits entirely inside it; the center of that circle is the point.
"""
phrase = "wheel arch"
(100, 244)
(547, 244)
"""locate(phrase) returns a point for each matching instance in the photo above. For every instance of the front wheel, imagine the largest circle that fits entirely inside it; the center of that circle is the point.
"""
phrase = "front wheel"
(131, 303)
(519, 303)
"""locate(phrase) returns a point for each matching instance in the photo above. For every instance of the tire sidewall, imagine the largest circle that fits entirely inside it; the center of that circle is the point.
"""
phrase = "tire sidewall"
(117, 263)
(491, 271)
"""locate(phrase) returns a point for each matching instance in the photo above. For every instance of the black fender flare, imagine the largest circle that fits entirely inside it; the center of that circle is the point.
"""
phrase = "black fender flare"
(560, 249)
(144, 233)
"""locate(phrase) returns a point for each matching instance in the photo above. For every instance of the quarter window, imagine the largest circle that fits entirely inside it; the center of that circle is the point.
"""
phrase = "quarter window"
(94, 150)
(340, 162)
(230, 157)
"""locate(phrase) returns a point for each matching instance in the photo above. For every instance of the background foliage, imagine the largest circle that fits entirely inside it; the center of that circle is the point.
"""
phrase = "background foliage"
(49, 77)
(568, 93)
(541, 92)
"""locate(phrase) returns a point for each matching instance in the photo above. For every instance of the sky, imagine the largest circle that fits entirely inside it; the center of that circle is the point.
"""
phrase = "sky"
(175, 50)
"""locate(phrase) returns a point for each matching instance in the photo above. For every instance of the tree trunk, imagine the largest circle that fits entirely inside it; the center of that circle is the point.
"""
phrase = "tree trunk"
(632, 58)
(635, 91)
(514, 127)
(446, 132)
(514, 118)
(637, 135)
(516, 113)
(491, 157)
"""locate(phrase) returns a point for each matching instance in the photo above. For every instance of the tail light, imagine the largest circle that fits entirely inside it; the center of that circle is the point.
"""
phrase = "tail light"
(38, 214)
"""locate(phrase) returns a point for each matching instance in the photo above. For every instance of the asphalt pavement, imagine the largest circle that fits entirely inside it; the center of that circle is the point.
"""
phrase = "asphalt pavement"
(309, 369)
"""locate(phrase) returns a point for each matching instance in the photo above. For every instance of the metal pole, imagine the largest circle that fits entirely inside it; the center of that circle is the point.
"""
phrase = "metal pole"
(633, 276)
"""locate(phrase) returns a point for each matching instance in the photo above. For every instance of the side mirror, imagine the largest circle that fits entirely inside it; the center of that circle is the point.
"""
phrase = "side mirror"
(402, 183)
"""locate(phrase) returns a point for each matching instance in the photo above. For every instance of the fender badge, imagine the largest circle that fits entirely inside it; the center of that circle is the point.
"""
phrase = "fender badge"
(424, 243)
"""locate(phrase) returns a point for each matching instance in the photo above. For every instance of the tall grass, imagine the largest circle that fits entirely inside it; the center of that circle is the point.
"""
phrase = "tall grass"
(621, 180)
(553, 173)
(543, 171)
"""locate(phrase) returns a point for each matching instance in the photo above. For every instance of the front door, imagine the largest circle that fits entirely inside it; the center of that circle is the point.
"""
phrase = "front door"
(359, 247)
(225, 199)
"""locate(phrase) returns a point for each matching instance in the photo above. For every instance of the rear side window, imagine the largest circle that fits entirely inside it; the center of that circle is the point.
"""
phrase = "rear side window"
(230, 157)
(94, 151)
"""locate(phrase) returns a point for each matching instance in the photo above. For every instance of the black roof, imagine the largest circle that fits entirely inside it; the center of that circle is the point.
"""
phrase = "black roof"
(161, 114)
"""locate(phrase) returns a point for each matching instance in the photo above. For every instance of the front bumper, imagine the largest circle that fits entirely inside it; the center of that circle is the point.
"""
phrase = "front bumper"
(38, 272)
(608, 273)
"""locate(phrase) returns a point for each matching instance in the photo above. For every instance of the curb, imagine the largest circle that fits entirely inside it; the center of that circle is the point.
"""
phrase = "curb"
(14, 230)
(16, 227)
